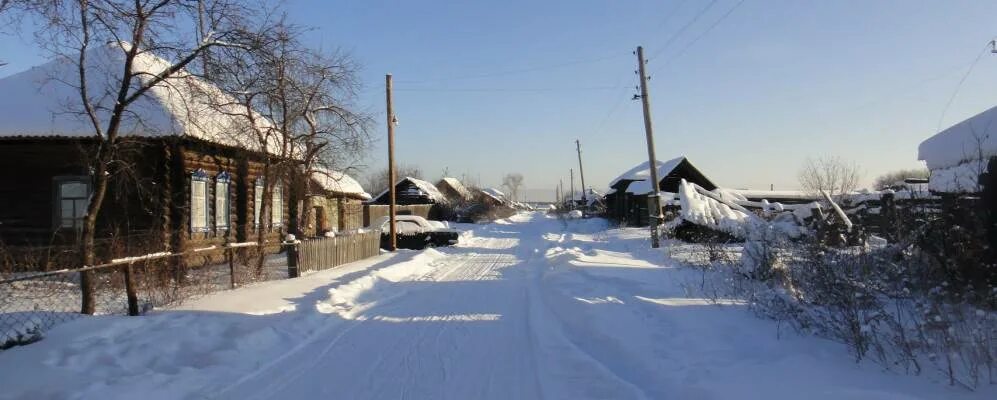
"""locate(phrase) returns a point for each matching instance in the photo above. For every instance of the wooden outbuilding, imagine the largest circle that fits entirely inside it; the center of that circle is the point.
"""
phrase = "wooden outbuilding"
(335, 203)
(627, 200)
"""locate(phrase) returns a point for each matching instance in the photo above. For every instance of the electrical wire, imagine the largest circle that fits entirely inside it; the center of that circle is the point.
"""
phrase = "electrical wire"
(519, 70)
(671, 13)
(675, 35)
(958, 87)
(701, 35)
(551, 89)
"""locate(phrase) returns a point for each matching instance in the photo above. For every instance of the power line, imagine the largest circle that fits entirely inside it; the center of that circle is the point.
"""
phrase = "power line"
(671, 13)
(683, 29)
(703, 34)
(990, 46)
(548, 89)
(519, 70)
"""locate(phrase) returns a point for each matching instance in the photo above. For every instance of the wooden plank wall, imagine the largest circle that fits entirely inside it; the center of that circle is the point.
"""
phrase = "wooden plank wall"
(324, 253)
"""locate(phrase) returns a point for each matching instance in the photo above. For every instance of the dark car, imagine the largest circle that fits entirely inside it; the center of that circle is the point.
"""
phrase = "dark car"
(416, 233)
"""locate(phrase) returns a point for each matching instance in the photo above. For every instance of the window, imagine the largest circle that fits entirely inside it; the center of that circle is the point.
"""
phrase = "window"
(276, 205)
(257, 201)
(73, 197)
(222, 207)
(198, 201)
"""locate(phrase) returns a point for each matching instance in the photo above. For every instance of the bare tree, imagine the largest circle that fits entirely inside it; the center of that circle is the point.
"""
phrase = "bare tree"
(512, 182)
(377, 182)
(75, 30)
(831, 175)
(894, 177)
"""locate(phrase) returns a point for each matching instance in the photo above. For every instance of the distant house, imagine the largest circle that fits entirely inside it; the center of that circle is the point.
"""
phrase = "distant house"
(454, 191)
(962, 158)
(336, 203)
(627, 200)
(492, 197)
(413, 196)
(409, 191)
(197, 179)
(777, 196)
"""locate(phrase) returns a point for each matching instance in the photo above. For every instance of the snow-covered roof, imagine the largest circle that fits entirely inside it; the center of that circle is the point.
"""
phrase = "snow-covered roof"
(425, 187)
(494, 193)
(962, 142)
(771, 194)
(958, 155)
(338, 182)
(458, 186)
(43, 102)
(642, 171)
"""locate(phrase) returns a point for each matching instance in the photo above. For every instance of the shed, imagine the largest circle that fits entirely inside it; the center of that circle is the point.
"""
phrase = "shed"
(454, 191)
(627, 200)
(960, 156)
(336, 204)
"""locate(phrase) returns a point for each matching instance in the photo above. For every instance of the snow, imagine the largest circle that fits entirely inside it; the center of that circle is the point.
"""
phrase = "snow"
(494, 194)
(962, 178)
(745, 194)
(962, 142)
(533, 308)
(459, 187)
(703, 210)
(338, 182)
(425, 187)
(43, 102)
(642, 172)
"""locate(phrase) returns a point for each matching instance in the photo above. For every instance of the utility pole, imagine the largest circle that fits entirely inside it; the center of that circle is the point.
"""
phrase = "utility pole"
(571, 174)
(560, 195)
(393, 242)
(654, 203)
(581, 171)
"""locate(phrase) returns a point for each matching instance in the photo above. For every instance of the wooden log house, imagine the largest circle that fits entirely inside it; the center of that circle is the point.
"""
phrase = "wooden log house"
(189, 175)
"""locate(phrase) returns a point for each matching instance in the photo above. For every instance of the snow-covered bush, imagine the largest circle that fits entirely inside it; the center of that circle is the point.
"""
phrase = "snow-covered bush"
(884, 303)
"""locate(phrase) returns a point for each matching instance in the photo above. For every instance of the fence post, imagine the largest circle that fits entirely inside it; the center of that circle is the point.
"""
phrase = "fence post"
(130, 290)
(230, 252)
(292, 256)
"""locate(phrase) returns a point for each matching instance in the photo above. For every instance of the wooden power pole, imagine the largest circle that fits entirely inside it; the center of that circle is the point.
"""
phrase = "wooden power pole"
(571, 175)
(654, 203)
(581, 171)
(393, 242)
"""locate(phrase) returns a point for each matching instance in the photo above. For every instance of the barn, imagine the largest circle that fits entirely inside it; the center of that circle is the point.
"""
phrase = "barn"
(962, 158)
(454, 191)
(627, 199)
(412, 197)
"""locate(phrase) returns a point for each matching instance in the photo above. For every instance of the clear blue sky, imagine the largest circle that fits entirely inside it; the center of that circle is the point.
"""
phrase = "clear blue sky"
(486, 88)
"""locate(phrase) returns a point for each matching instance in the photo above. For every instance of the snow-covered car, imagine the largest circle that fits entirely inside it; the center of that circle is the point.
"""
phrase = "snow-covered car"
(415, 232)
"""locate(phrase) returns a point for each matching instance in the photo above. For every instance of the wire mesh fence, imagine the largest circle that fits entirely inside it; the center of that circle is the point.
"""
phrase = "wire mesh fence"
(32, 302)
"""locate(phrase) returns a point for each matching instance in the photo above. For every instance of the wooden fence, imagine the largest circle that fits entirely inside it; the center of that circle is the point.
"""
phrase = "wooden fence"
(324, 253)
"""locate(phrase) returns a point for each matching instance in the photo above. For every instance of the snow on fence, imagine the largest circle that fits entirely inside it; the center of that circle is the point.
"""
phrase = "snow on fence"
(31, 303)
(322, 253)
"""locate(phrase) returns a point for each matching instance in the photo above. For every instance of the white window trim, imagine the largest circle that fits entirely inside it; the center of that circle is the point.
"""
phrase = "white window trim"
(276, 205)
(58, 199)
(199, 178)
(223, 204)
(257, 201)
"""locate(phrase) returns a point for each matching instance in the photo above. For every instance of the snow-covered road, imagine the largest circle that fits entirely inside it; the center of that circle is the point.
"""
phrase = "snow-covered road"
(527, 308)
